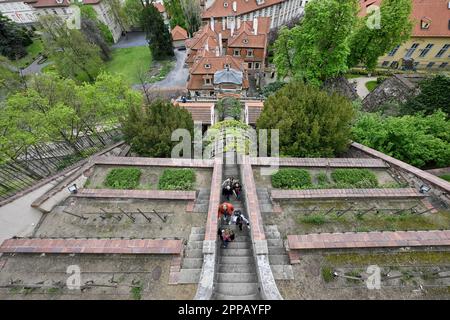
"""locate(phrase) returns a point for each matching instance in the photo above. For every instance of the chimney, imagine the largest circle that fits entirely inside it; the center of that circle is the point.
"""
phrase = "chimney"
(238, 22)
(255, 25)
(232, 29)
(234, 6)
(206, 45)
(223, 23)
(220, 43)
(212, 23)
(217, 51)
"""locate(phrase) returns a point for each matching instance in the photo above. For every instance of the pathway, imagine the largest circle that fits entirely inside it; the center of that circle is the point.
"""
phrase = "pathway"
(236, 277)
(176, 78)
(132, 39)
(361, 85)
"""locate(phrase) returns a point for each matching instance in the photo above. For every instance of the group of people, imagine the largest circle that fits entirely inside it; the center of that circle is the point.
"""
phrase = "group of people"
(228, 215)
(231, 186)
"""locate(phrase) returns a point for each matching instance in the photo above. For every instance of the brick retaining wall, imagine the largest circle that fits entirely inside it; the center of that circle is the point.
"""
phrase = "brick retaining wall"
(136, 194)
(321, 162)
(346, 194)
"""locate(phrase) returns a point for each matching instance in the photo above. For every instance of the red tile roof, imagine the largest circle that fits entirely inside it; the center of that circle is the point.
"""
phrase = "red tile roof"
(435, 12)
(200, 111)
(53, 3)
(224, 8)
(178, 33)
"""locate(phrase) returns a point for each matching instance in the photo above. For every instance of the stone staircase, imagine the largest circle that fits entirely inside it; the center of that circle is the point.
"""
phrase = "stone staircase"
(278, 257)
(236, 277)
(202, 201)
(265, 204)
(193, 257)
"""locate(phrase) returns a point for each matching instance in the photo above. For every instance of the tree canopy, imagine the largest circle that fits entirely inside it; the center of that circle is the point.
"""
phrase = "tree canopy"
(175, 13)
(312, 123)
(422, 141)
(13, 39)
(158, 36)
(148, 129)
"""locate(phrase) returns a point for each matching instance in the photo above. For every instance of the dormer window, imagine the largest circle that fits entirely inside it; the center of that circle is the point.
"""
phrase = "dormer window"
(425, 24)
(207, 81)
(245, 41)
(250, 53)
(225, 4)
(207, 66)
(226, 66)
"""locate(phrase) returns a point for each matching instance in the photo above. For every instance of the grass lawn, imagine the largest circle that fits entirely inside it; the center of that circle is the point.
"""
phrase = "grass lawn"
(33, 50)
(446, 177)
(371, 85)
(353, 76)
(129, 62)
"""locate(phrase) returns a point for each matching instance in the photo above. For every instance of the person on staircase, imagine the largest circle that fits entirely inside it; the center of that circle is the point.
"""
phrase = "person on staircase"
(226, 237)
(225, 212)
(227, 191)
(239, 219)
(237, 189)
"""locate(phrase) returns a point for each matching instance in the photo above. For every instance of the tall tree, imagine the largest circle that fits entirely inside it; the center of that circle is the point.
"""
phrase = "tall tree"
(320, 43)
(158, 36)
(92, 30)
(74, 56)
(192, 14)
(13, 39)
(312, 123)
(133, 12)
(10, 80)
(175, 13)
(380, 32)
(148, 129)
(118, 13)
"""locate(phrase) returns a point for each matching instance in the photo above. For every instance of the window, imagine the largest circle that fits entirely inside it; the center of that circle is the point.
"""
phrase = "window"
(257, 65)
(207, 81)
(385, 63)
(226, 66)
(245, 41)
(443, 65)
(393, 51)
(442, 51)
(250, 53)
(236, 52)
(430, 65)
(411, 50)
(207, 66)
(424, 24)
(225, 4)
(250, 65)
(426, 50)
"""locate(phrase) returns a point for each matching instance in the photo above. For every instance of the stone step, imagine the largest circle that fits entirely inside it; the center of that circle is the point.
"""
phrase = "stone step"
(194, 253)
(270, 228)
(198, 230)
(229, 252)
(235, 228)
(197, 237)
(237, 289)
(218, 296)
(194, 245)
(239, 245)
(282, 272)
(189, 276)
(277, 250)
(237, 260)
(265, 208)
(273, 235)
(239, 277)
(274, 242)
(279, 259)
(192, 263)
(234, 268)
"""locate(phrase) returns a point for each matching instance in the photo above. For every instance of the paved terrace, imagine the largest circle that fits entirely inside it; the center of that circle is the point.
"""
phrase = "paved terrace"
(154, 162)
(369, 239)
(136, 194)
(105, 246)
(393, 193)
(321, 162)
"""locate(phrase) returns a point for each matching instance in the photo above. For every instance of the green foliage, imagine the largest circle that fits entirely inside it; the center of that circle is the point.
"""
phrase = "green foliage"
(327, 274)
(192, 15)
(291, 179)
(369, 42)
(177, 179)
(175, 13)
(123, 178)
(307, 51)
(10, 81)
(13, 39)
(136, 292)
(311, 122)
(423, 141)
(272, 88)
(133, 10)
(73, 55)
(445, 177)
(88, 12)
(158, 36)
(322, 179)
(130, 63)
(316, 219)
(238, 131)
(229, 107)
(148, 129)
(371, 85)
(434, 95)
(355, 178)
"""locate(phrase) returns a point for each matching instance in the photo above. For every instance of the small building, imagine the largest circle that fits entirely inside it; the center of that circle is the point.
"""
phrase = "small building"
(18, 11)
(179, 36)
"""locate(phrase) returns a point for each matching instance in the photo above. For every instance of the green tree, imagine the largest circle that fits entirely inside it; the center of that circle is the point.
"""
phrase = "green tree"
(175, 13)
(158, 36)
(320, 44)
(95, 32)
(423, 141)
(434, 94)
(133, 12)
(74, 56)
(13, 39)
(370, 41)
(312, 123)
(192, 14)
(10, 80)
(88, 13)
(148, 129)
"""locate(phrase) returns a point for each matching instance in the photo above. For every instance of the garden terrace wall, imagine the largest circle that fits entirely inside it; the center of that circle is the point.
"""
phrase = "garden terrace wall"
(320, 162)
(346, 194)
(269, 289)
(439, 187)
(153, 162)
(136, 194)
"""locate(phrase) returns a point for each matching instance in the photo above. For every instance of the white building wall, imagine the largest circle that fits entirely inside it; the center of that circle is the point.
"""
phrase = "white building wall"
(18, 12)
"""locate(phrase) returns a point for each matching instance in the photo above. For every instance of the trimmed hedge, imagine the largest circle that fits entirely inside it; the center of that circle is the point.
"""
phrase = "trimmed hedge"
(355, 178)
(177, 179)
(123, 178)
(291, 179)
